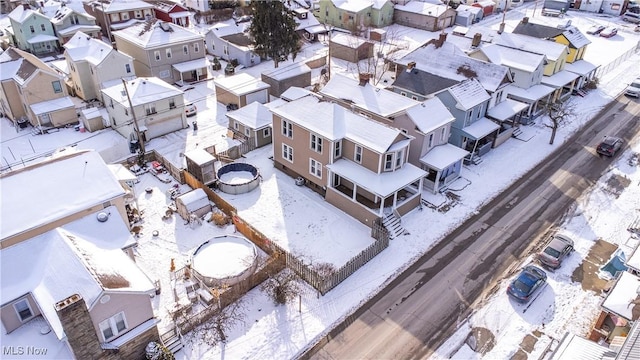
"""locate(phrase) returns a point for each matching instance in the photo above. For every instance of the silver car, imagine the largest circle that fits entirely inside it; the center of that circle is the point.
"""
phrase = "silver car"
(559, 247)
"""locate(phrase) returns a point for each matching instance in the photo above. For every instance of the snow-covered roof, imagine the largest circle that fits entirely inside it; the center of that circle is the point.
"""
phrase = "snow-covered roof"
(10, 68)
(352, 5)
(368, 97)
(620, 298)
(191, 65)
(571, 33)
(59, 263)
(513, 58)
(576, 37)
(382, 184)
(551, 49)
(40, 38)
(200, 156)
(194, 200)
(423, 8)
(468, 94)
(124, 5)
(422, 82)
(228, 27)
(533, 93)
(348, 40)
(480, 128)
(255, 116)
(450, 62)
(125, 24)
(573, 347)
(334, 122)
(430, 115)
(506, 109)
(157, 33)
(309, 22)
(581, 67)
(120, 171)
(20, 14)
(75, 28)
(475, 10)
(241, 84)
(142, 91)
(442, 156)
(63, 11)
(81, 181)
(31, 333)
(295, 92)
(559, 79)
(48, 106)
(83, 47)
(287, 72)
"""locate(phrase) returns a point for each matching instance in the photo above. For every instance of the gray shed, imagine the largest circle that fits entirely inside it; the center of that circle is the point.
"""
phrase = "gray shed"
(194, 202)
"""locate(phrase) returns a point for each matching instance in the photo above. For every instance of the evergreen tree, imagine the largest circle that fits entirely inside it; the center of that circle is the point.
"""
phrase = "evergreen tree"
(273, 31)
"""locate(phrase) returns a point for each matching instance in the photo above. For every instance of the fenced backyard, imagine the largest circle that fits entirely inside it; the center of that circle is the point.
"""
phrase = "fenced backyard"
(605, 69)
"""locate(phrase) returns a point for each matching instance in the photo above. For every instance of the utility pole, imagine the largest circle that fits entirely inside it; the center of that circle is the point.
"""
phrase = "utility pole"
(135, 120)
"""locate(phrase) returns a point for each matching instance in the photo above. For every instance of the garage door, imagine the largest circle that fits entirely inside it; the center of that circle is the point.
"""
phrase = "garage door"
(259, 96)
(157, 129)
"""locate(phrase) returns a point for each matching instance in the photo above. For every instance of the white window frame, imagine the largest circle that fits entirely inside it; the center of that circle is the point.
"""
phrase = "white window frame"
(196, 47)
(115, 17)
(388, 161)
(127, 68)
(399, 158)
(357, 154)
(23, 301)
(266, 132)
(43, 28)
(167, 53)
(138, 14)
(443, 134)
(287, 153)
(315, 143)
(124, 16)
(315, 168)
(236, 126)
(150, 108)
(337, 152)
(185, 49)
(247, 132)
(430, 144)
(57, 89)
(156, 55)
(112, 324)
(287, 129)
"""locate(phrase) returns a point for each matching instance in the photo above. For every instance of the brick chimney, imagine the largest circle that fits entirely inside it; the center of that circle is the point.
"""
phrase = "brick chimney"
(477, 38)
(364, 78)
(441, 39)
(77, 325)
(410, 66)
(525, 20)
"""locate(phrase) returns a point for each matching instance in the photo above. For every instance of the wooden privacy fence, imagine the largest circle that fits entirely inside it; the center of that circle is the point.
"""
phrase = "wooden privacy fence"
(175, 172)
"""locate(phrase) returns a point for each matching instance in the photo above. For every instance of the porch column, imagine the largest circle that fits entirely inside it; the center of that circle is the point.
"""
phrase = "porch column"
(381, 210)
(436, 186)
(355, 191)
(181, 78)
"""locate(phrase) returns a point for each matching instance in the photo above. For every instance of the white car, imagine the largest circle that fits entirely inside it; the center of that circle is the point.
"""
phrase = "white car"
(190, 109)
(634, 88)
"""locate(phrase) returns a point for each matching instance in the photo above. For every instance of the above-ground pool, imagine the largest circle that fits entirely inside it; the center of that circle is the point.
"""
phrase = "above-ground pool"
(238, 178)
(224, 260)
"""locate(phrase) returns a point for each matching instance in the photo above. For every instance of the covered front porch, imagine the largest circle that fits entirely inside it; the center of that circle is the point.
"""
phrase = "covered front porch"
(443, 165)
(586, 72)
(43, 44)
(192, 71)
(563, 82)
(479, 138)
(535, 96)
(367, 195)
(508, 114)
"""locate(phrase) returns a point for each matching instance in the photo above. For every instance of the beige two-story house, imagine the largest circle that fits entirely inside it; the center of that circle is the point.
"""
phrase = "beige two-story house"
(164, 50)
(358, 165)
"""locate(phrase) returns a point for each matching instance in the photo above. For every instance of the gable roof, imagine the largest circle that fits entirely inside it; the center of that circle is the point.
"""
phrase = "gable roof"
(468, 94)
(450, 62)
(61, 262)
(83, 47)
(513, 58)
(255, 116)
(430, 115)
(228, 27)
(121, 5)
(334, 122)
(63, 11)
(21, 13)
(157, 33)
(241, 84)
(423, 8)
(142, 90)
(422, 82)
(82, 180)
(368, 97)
(571, 33)
(551, 49)
(352, 5)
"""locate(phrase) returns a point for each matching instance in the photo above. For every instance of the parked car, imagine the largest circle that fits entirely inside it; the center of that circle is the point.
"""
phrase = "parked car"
(634, 88)
(555, 251)
(609, 31)
(609, 146)
(190, 109)
(529, 280)
(595, 29)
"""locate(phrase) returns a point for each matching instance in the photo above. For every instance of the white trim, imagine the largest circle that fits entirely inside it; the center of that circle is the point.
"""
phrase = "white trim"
(26, 301)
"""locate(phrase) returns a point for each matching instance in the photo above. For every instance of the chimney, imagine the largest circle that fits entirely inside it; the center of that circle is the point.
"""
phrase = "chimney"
(364, 78)
(501, 28)
(477, 38)
(410, 66)
(77, 325)
(441, 39)
(525, 20)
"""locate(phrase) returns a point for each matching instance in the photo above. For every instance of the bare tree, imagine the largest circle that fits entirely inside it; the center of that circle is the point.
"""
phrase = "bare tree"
(383, 56)
(214, 330)
(283, 286)
(559, 113)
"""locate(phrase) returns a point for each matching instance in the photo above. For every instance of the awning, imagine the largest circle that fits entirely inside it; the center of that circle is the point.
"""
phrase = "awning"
(532, 94)
(48, 106)
(559, 79)
(506, 109)
(581, 67)
(42, 38)
(191, 65)
(443, 156)
(383, 184)
(480, 128)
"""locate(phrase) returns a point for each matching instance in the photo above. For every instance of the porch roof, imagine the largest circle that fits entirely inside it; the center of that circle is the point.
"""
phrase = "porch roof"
(191, 65)
(48, 106)
(74, 29)
(42, 38)
(622, 295)
(442, 156)
(383, 184)
(575, 347)
(559, 79)
(179, 14)
(580, 67)
(506, 109)
(534, 93)
(481, 128)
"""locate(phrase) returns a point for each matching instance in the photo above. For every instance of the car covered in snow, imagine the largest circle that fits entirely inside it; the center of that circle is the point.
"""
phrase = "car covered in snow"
(530, 279)
(559, 247)
(595, 29)
(609, 31)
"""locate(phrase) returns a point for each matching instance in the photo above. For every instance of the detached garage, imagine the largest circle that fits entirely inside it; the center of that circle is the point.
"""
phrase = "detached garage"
(241, 89)
(194, 202)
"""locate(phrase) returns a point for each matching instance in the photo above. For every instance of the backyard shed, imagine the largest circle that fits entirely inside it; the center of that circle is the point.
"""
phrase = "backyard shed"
(350, 48)
(241, 89)
(194, 202)
(252, 123)
(91, 119)
(282, 78)
(487, 6)
(201, 165)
